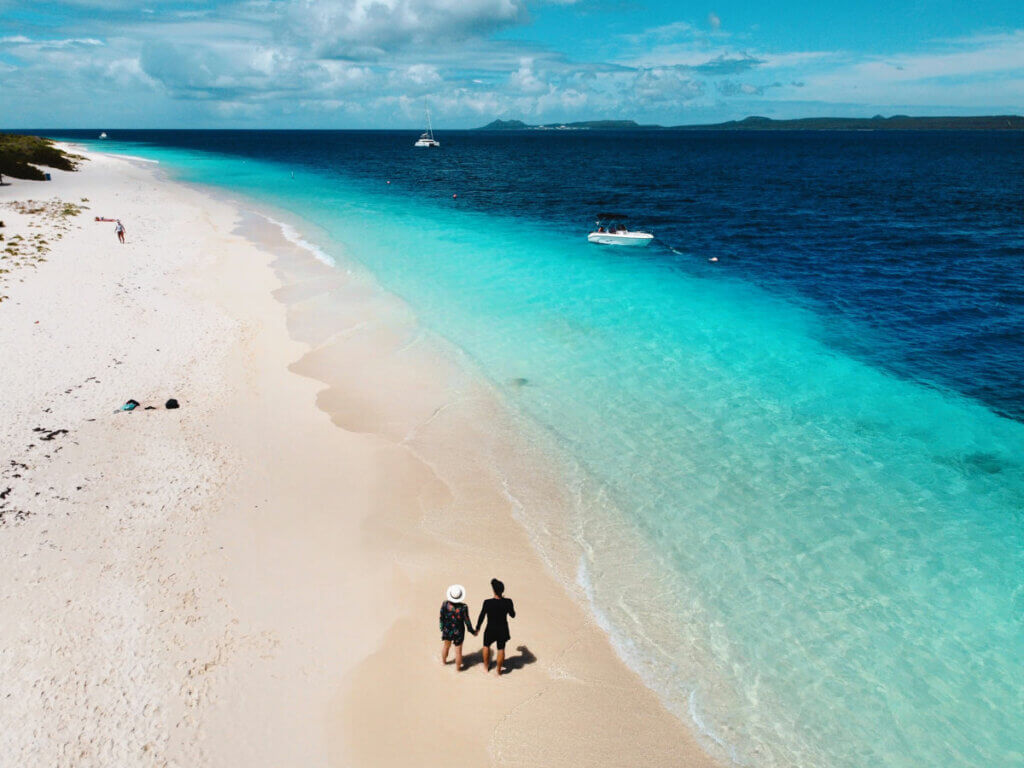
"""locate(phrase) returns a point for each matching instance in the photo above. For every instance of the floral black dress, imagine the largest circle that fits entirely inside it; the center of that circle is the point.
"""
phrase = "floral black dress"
(455, 621)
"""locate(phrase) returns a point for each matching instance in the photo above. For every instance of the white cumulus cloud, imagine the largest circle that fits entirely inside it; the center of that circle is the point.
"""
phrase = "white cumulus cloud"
(369, 28)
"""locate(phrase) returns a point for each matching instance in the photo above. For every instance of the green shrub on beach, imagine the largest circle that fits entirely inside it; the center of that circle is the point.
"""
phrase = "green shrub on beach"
(19, 156)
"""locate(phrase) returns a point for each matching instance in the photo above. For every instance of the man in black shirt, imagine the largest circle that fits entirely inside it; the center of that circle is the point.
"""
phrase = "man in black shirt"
(497, 609)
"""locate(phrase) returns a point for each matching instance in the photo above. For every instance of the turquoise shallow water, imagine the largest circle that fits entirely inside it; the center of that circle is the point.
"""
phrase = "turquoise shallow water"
(816, 561)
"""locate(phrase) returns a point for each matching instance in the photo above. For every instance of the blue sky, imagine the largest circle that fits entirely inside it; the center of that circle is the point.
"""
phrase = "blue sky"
(378, 63)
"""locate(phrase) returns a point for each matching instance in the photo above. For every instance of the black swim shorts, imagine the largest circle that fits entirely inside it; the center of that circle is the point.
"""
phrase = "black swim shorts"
(489, 639)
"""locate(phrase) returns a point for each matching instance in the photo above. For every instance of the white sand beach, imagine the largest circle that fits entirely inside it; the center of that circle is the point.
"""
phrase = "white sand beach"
(254, 578)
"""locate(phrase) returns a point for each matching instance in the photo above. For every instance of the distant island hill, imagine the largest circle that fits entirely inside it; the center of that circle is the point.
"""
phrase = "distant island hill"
(877, 123)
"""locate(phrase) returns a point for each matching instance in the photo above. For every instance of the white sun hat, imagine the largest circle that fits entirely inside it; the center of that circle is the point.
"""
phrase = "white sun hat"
(456, 593)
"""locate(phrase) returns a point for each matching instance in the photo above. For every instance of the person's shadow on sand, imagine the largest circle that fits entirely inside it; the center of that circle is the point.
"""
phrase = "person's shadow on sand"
(470, 660)
(512, 663)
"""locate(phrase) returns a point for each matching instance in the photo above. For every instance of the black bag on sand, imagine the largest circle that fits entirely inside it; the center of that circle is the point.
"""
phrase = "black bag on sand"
(171, 404)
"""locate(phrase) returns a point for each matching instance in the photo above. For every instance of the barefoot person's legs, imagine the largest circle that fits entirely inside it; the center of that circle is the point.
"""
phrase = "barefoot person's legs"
(501, 658)
(458, 657)
(445, 647)
(497, 610)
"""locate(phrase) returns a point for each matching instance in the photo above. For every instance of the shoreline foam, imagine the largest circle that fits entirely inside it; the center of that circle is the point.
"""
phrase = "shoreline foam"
(414, 434)
(552, 546)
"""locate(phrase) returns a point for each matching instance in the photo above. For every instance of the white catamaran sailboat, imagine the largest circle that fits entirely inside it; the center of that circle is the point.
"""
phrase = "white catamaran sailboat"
(427, 139)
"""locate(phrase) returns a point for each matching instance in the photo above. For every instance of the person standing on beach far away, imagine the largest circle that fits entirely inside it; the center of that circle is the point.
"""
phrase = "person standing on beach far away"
(119, 228)
(454, 623)
(497, 609)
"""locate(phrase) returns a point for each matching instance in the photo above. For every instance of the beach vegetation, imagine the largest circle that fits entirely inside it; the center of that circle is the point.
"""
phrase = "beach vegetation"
(21, 157)
(20, 250)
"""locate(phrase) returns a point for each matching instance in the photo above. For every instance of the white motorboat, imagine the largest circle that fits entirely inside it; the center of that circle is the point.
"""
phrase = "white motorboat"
(612, 231)
(103, 135)
(427, 139)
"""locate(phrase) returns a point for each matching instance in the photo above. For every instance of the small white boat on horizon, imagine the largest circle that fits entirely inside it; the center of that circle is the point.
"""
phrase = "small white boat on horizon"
(103, 135)
(427, 139)
(612, 231)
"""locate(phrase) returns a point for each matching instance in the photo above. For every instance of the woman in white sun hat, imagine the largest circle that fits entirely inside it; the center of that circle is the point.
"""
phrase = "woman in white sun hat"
(454, 623)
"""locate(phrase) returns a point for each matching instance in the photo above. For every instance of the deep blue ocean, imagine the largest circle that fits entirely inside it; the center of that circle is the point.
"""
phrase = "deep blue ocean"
(814, 445)
(916, 239)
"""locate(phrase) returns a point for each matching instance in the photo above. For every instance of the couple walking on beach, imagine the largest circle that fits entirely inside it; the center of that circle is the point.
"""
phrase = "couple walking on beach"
(455, 621)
